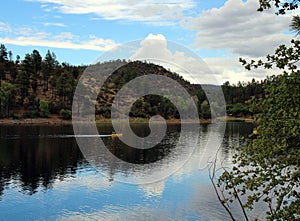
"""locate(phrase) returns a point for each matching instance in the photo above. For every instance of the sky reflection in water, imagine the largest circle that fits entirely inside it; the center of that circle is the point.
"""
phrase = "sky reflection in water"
(44, 176)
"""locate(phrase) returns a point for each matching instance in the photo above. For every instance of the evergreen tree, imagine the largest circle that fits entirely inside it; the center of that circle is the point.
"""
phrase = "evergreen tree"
(3, 54)
(36, 60)
(6, 95)
(65, 87)
(48, 66)
(23, 85)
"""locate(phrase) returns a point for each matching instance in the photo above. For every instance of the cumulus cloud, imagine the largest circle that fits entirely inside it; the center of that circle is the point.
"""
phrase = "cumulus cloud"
(238, 27)
(149, 11)
(153, 46)
(156, 49)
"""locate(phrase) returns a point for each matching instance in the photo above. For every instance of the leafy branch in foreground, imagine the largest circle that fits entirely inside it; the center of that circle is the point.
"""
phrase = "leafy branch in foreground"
(220, 190)
(282, 6)
(295, 24)
(284, 58)
(267, 169)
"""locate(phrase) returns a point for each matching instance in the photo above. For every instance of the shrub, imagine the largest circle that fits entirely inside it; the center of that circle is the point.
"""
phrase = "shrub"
(30, 114)
(44, 109)
(65, 114)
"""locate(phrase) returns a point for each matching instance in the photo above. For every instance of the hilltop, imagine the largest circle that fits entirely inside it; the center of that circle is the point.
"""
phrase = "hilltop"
(42, 87)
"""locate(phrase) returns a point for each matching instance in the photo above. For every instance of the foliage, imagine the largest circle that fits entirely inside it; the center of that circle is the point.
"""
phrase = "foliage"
(282, 6)
(205, 110)
(242, 92)
(295, 24)
(65, 87)
(267, 169)
(284, 58)
(238, 110)
(35, 78)
(6, 92)
(44, 109)
(148, 105)
(30, 114)
(3, 54)
(65, 114)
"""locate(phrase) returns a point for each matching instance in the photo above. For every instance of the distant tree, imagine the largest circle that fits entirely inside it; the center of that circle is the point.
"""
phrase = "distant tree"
(36, 59)
(29, 66)
(2, 72)
(53, 84)
(44, 109)
(18, 59)
(48, 66)
(10, 56)
(65, 114)
(3, 54)
(13, 72)
(65, 87)
(23, 85)
(239, 110)
(6, 92)
(205, 110)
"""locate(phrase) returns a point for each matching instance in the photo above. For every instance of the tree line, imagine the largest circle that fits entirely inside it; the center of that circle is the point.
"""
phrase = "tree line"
(37, 86)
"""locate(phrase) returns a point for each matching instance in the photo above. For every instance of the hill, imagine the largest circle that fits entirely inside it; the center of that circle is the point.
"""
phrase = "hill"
(38, 87)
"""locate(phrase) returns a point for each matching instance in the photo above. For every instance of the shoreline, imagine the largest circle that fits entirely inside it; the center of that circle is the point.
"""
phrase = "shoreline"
(58, 121)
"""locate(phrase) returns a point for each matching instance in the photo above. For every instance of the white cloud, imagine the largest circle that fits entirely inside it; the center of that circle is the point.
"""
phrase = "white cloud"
(149, 11)
(4, 27)
(23, 31)
(98, 44)
(57, 24)
(238, 27)
(29, 37)
(156, 49)
(153, 46)
(65, 36)
(229, 69)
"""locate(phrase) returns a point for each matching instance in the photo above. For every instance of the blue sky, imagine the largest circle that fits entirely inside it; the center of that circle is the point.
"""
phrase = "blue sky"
(80, 31)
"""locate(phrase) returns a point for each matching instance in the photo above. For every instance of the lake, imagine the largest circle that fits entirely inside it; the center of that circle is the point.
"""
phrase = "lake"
(45, 176)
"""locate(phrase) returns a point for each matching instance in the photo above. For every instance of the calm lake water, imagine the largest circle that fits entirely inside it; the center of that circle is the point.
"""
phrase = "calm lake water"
(44, 176)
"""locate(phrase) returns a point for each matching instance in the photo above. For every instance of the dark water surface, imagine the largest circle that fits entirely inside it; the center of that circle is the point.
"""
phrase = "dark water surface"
(44, 176)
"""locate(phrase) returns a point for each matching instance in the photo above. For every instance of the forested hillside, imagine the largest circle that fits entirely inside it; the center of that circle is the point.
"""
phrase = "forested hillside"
(40, 86)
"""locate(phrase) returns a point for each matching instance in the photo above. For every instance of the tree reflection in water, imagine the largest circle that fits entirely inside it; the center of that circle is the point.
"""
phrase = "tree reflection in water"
(34, 157)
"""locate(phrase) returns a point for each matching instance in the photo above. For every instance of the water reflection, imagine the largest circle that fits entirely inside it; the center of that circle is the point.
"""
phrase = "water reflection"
(143, 156)
(52, 172)
(28, 156)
